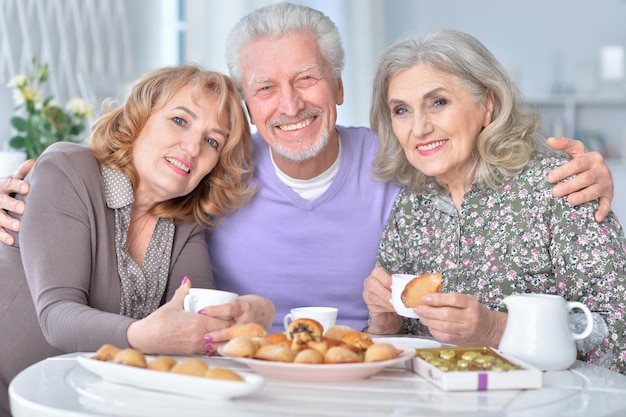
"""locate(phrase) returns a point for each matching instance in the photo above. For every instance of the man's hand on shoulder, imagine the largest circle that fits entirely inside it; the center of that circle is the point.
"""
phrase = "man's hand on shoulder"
(9, 186)
(593, 177)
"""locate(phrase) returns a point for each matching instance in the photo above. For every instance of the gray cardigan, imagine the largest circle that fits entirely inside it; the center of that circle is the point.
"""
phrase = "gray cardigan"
(64, 260)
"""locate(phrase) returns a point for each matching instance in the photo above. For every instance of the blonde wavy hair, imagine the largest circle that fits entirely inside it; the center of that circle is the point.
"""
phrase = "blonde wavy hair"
(226, 187)
(503, 148)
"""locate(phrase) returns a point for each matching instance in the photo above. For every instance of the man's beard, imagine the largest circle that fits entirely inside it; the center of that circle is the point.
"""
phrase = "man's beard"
(303, 153)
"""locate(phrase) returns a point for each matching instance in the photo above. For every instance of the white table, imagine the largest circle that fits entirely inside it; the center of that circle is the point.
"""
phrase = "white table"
(56, 387)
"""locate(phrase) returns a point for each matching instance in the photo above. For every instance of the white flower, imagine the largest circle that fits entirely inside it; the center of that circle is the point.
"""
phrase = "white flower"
(80, 107)
(19, 81)
(30, 93)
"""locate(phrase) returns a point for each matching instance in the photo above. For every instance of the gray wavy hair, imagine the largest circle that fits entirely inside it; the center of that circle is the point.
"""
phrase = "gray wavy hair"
(279, 19)
(503, 148)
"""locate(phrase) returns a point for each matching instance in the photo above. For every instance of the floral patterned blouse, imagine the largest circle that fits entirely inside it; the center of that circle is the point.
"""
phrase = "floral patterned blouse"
(518, 239)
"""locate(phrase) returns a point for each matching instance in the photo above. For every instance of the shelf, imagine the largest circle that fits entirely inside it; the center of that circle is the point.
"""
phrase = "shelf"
(599, 121)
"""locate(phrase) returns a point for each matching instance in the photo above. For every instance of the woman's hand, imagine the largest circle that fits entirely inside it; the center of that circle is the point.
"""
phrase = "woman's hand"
(593, 178)
(383, 319)
(9, 185)
(172, 330)
(245, 309)
(460, 319)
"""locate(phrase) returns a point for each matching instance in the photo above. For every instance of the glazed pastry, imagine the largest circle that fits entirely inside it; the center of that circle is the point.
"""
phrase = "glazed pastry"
(309, 356)
(338, 331)
(240, 347)
(223, 373)
(358, 339)
(246, 329)
(130, 357)
(323, 345)
(106, 353)
(278, 339)
(341, 354)
(190, 366)
(162, 363)
(277, 353)
(418, 287)
(380, 352)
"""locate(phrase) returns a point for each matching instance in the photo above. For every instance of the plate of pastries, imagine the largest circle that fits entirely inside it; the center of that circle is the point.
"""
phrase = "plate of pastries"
(185, 375)
(304, 353)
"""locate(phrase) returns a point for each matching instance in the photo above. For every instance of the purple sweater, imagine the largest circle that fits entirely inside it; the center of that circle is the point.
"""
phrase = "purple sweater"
(307, 253)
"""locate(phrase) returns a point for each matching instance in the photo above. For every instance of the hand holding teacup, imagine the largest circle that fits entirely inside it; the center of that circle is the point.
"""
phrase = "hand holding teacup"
(198, 298)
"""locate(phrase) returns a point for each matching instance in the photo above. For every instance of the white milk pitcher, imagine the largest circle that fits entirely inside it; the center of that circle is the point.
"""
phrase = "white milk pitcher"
(538, 333)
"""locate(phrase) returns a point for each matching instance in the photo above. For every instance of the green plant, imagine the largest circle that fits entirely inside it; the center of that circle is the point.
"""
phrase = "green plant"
(41, 122)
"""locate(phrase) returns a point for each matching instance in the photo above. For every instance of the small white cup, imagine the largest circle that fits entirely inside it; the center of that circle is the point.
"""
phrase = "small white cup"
(398, 282)
(326, 316)
(198, 298)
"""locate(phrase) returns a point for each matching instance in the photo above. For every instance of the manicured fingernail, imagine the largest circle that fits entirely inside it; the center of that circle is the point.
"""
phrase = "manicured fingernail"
(208, 338)
(208, 347)
(212, 353)
(184, 281)
(203, 312)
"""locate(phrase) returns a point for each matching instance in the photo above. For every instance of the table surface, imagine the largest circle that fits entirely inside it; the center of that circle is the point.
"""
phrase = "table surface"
(60, 386)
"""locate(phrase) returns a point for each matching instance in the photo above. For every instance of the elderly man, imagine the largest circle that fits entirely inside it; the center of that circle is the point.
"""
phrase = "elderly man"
(310, 235)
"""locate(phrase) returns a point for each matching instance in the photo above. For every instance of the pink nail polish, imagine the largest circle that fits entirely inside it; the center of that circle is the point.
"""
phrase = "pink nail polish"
(208, 338)
(208, 348)
(203, 312)
(184, 281)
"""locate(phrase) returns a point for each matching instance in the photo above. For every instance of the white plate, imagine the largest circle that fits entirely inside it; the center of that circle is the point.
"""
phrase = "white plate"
(412, 342)
(187, 385)
(305, 372)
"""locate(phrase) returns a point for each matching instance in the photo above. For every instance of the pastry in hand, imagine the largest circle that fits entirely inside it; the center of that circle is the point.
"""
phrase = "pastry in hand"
(418, 287)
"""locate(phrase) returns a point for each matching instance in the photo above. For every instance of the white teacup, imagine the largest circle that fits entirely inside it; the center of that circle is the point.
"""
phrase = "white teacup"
(198, 298)
(398, 282)
(326, 316)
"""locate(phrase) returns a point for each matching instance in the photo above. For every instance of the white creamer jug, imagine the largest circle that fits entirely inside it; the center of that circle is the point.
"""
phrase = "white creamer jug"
(538, 332)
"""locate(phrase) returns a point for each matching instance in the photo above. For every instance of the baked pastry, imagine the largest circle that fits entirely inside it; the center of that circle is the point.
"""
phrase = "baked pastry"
(190, 366)
(309, 356)
(223, 373)
(323, 345)
(279, 353)
(418, 287)
(357, 339)
(240, 347)
(162, 363)
(304, 330)
(278, 339)
(342, 354)
(338, 331)
(130, 357)
(380, 352)
(106, 353)
(246, 329)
